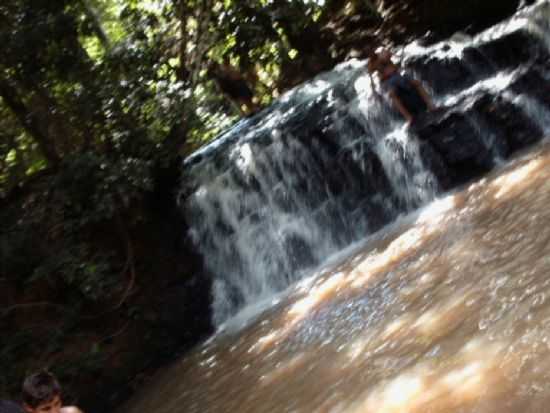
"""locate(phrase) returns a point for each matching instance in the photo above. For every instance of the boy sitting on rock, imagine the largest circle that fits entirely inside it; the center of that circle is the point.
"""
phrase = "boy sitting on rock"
(408, 95)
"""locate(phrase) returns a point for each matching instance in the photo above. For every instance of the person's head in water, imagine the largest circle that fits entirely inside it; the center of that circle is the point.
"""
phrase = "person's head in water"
(41, 393)
(7, 406)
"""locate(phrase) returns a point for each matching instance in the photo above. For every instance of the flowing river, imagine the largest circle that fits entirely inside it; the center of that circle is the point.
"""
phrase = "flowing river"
(447, 309)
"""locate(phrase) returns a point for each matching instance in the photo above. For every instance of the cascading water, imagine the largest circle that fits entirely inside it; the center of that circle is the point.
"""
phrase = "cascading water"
(330, 162)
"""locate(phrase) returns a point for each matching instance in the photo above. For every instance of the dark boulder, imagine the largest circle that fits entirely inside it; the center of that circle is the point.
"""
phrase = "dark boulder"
(455, 138)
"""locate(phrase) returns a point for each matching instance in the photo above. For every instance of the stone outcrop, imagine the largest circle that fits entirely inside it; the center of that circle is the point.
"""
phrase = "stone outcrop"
(486, 125)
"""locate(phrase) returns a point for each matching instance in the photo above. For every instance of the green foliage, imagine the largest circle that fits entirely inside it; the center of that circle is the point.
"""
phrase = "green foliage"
(11, 352)
(79, 270)
(91, 188)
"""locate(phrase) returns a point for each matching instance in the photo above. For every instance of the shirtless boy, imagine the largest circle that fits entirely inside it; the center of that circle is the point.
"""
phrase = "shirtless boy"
(41, 393)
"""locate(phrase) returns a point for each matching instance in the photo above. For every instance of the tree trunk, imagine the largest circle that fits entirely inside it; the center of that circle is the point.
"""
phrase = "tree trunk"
(202, 40)
(92, 14)
(30, 121)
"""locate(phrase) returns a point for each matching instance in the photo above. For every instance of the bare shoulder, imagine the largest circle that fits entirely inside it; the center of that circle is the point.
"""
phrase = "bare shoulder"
(70, 409)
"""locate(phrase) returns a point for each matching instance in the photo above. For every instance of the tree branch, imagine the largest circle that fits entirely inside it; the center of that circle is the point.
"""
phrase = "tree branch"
(92, 14)
(29, 121)
(7, 310)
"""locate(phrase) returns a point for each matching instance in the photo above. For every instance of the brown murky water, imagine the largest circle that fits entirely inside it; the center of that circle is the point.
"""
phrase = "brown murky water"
(448, 311)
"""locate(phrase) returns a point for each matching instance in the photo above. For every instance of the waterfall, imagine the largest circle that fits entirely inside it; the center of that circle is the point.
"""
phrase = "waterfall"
(331, 162)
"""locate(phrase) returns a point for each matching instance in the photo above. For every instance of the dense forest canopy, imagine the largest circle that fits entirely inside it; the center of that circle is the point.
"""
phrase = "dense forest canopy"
(104, 76)
(99, 100)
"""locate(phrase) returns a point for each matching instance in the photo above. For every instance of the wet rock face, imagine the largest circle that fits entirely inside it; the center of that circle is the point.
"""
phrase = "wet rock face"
(535, 82)
(489, 123)
(184, 309)
(456, 141)
(510, 127)
(444, 76)
(469, 141)
(329, 162)
(507, 53)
